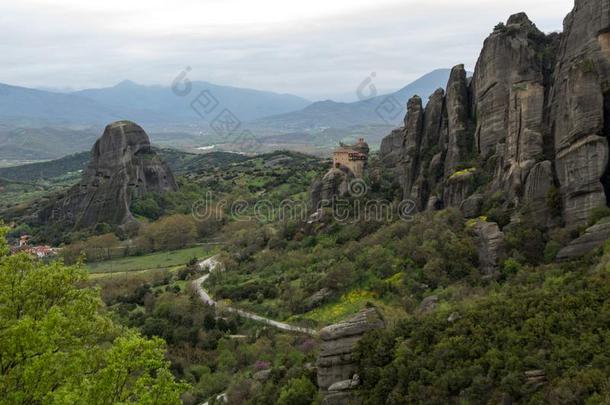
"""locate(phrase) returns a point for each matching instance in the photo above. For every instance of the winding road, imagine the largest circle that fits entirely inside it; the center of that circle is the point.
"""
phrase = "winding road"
(212, 264)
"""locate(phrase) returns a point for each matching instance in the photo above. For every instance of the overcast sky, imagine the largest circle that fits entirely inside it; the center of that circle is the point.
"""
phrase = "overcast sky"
(316, 48)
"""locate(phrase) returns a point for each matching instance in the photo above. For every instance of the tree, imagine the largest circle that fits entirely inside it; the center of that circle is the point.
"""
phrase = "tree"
(96, 248)
(58, 346)
(298, 391)
(173, 232)
(4, 249)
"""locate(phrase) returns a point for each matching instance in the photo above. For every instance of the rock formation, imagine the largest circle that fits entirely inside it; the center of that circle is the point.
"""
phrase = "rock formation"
(490, 246)
(593, 238)
(349, 164)
(123, 166)
(580, 99)
(534, 118)
(335, 183)
(459, 138)
(336, 368)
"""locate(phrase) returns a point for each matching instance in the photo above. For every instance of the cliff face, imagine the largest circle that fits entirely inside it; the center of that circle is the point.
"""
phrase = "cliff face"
(579, 103)
(534, 116)
(123, 166)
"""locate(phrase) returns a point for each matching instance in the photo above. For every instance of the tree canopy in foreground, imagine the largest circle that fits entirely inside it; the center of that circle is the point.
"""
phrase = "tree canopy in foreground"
(58, 346)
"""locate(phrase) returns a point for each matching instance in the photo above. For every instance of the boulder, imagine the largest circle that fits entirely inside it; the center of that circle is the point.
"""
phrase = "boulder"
(428, 305)
(317, 298)
(262, 375)
(335, 363)
(593, 238)
(472, 206)
(346, 384)
(123, 166)
(455, 316)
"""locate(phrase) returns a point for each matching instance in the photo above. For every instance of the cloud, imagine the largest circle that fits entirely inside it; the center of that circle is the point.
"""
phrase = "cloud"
(317, 49)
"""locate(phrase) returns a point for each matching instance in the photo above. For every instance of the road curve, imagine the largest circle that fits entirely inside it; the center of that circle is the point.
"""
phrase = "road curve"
(212, 264)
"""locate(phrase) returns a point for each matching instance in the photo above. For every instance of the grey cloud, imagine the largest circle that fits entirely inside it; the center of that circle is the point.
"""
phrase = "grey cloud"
(314, 58)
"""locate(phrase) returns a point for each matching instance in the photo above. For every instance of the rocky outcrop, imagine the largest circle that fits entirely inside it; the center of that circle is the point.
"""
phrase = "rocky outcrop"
(579, 98)
(460, 141)
(508, 87)
(335, 363)
(334, 184)
(391, 148)
(123, 166)
(490, 246)
(472, 206)
(409, 163)
(428, 305)
(593, 238)
(458, 187)
(534, 118)
(317, 299)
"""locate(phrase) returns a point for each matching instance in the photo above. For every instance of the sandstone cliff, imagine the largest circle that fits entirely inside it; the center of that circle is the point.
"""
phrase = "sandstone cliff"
(533, 119)
(123, 166)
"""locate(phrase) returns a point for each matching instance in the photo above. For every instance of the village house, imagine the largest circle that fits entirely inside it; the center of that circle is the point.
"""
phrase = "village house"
(41, 252)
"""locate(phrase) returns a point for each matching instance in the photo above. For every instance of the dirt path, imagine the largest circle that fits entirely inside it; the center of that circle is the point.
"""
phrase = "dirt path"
(212, 264)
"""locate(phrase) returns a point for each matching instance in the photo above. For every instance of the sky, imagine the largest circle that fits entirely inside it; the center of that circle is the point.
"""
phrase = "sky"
(317, 49)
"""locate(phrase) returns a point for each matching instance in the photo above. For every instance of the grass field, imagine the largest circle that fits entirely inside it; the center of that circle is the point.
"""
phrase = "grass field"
(159, 260)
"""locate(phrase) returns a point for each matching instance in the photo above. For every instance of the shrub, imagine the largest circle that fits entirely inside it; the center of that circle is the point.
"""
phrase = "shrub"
(526, 241)
(511, 267)
(598, 214)
(551, 250)
(298, 391)
(173, 232)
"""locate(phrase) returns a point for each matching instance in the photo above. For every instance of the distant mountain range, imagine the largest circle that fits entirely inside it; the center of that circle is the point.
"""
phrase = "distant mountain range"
(384, 109)
(39, 124)
(246, 104)
(148, 105)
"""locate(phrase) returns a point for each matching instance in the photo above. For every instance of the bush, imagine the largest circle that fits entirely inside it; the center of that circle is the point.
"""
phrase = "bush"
(598, 214)
(526, 241)
(168, 233)
(526, 324)
(147, 206)
(298, 391)
(551, 250)
(511, 267)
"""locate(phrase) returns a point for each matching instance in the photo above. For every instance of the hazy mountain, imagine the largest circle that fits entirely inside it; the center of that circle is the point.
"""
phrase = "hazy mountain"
(147, 105)
(246, 104)
(325, 114)
(39, 125)
(21, 105)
